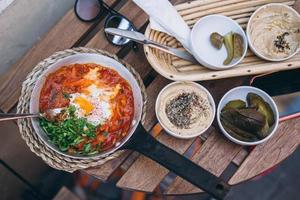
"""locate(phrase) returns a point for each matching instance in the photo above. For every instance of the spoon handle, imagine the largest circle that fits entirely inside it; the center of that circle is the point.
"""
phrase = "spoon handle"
(13, 116)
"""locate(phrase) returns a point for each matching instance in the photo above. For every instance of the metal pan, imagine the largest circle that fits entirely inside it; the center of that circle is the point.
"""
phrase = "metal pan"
(138, 138)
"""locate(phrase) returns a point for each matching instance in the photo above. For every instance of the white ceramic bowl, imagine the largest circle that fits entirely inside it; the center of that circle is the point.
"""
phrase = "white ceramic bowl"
(241, 93)
(86, 58)
(249, 37)
(162, 123)
(202, 49)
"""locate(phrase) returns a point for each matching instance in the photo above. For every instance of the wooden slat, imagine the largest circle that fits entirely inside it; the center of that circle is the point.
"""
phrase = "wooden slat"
(145, 174)
(65, 194)
(139, 62)
(270, 153)
(240, 157)
(152, 91)
(63, 35)
(104, 171)
(215, 155)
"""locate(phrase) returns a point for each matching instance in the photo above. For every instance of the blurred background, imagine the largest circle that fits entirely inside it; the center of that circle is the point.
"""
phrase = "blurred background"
(25, 176)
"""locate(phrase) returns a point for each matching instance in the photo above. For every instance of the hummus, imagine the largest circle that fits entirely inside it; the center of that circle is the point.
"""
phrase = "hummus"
(275, 31)
(200, 109)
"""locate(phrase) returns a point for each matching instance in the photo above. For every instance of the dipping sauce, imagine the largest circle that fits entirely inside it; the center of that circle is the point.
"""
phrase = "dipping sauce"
(184, 109)
(275, 31)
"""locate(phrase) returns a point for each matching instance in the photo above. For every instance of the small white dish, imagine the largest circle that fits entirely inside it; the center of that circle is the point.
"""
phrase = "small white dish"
(241, 93)
(183, 86)
(202, 49)
(267, 7)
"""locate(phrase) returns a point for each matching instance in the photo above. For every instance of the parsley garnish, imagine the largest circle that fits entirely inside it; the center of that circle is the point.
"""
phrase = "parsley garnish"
(70, 132)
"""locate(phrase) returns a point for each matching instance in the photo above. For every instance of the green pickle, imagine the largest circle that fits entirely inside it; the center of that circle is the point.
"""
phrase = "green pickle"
(247, 123)
(257, 102)
(238, 45)
(228, 42)
(216, 40)
(238, 104)
(237, 133)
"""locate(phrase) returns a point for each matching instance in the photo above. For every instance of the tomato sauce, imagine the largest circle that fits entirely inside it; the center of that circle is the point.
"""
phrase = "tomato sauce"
(71, 79)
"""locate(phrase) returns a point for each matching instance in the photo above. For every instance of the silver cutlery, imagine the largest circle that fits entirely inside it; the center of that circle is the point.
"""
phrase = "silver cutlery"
(140, 38)
(48, 114)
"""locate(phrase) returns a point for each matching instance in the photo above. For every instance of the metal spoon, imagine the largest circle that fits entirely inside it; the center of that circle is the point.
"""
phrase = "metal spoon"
(48, 114)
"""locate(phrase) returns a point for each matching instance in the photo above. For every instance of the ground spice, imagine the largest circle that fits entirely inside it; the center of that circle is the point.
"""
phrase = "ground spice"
(280, 43)
(180, 110)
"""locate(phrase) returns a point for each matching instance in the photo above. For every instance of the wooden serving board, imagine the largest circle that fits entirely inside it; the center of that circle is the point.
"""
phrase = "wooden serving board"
(175, 68)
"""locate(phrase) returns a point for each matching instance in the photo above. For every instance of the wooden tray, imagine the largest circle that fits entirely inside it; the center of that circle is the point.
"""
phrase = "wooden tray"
(175, 68)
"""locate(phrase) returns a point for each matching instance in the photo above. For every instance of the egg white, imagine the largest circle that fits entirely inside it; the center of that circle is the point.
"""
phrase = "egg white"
(100, 100)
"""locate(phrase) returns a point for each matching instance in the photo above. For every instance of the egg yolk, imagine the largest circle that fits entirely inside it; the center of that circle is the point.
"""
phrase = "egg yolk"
(84, 104)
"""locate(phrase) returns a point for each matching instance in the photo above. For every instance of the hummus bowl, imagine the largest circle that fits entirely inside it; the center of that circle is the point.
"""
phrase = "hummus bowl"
(273, 32)
(185, 109)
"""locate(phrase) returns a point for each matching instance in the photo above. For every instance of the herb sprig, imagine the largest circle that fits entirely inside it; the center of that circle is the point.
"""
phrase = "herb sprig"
(70, 132)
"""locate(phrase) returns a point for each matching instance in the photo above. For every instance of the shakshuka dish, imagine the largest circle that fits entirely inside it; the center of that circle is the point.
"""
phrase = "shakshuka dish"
(94, 108)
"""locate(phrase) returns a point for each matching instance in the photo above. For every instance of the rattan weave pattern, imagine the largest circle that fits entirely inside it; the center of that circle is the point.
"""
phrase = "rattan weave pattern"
(178, 69)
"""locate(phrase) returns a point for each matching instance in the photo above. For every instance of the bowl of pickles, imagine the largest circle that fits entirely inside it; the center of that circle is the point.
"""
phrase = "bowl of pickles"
(218, 42)
(247, 116)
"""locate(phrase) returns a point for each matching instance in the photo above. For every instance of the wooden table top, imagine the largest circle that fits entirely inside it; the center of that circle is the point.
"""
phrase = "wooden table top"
(211, 151)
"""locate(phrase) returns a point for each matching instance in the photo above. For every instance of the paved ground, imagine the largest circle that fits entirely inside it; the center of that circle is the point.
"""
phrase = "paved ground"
(25, 22)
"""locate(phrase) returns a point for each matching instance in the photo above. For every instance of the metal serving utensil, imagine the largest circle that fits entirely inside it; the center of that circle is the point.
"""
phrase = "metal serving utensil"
(140, 38)
(48, 114)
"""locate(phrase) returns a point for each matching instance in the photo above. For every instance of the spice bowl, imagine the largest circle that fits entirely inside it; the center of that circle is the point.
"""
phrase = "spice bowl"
(185, 109)
(240, 93)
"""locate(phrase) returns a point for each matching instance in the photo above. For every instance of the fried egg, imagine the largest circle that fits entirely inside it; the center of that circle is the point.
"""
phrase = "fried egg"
(94, 103)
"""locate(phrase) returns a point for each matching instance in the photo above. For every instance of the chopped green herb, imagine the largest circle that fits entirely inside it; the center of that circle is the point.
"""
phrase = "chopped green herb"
(87, 148)
(70, 132)
(93, 152)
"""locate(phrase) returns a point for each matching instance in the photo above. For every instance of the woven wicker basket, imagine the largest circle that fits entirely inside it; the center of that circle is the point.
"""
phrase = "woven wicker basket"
(53, 159)
(175, 68)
